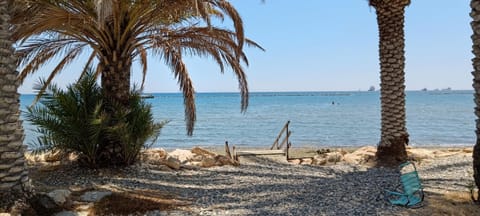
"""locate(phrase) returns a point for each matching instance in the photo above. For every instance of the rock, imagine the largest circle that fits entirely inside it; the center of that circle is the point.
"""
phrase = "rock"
(223, 160)
(44, 204)
(190, 167)
(59, 196)
(208, 162)
(334, 157)
(164, 168)
(94, 196)
(182, 155)
(319, 160)
(204, 152)
(54, 156)
(194, 163)
(154, 156)
(198, 158)
(361, 156)
(307, 161)
(419, 153)
(467, 150)
(295, 161)
(444, 153)
(5, 214)
(171, 162)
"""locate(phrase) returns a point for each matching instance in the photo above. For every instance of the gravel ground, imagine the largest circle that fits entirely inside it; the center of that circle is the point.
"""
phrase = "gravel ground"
(271, 188)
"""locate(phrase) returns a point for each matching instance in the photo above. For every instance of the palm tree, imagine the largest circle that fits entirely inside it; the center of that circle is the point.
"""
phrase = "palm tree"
(475, 14)
(394, 136)
(14, 183)
(115, 33)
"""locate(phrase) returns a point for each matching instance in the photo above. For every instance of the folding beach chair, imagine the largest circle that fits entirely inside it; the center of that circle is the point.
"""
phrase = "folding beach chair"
(412, 195)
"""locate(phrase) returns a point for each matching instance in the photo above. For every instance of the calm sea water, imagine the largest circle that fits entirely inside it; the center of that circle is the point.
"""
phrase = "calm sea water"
(353, 119)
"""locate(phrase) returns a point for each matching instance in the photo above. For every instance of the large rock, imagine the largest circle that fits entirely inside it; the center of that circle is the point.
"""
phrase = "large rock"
(208, 162)
(204, 152)
(361, 156)
(154, 156)
(334, 157)
(60, 196)
(182, 155)
(223, 160)
(44, 204)
(420, 153)
(319, 160)
(171, 162)
(54, 156)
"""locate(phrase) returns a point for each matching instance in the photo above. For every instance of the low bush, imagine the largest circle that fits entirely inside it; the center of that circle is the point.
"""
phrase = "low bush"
(80, 120)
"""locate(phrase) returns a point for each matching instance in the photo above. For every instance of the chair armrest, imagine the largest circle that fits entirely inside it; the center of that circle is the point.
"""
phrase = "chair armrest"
(395, 193)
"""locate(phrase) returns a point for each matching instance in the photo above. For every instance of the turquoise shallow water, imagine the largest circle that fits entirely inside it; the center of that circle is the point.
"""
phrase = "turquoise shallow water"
(433, 118)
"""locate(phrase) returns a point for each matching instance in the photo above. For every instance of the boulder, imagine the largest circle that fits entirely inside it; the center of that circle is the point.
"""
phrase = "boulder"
(361, 156)
(334, 157)
(295, 161)
(54, 156)
(198, 157)
(182, 155)
(306, 161)
(195, 163)
(319, 160)
(441, 153)
(223, 160)
(171, 162)
(420, 153)
(44, 204)
(208, 162)
(467, 150)
(204, 152)
(190, 167)
(59, 196)
(154, 156)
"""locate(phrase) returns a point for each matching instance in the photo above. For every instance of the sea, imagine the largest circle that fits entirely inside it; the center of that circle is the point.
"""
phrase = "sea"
(317, 119)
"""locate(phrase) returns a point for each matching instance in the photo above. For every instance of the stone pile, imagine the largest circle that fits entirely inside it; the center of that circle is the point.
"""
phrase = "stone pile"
(185, 159)
(366, 155)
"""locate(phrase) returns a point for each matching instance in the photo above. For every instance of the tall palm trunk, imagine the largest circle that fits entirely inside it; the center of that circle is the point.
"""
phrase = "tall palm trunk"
(475, 14)
(116, 77)
(116, 89)
(394, 136)
(14, 183)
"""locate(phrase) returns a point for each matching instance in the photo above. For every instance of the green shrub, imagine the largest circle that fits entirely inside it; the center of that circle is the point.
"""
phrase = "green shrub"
(75, 120)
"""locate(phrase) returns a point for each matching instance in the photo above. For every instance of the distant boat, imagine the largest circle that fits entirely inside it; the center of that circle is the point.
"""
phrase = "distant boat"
(424, 89)
(372, 88)
(146, 96)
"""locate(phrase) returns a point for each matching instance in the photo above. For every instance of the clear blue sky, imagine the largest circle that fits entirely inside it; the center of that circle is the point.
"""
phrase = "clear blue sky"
(318, 45)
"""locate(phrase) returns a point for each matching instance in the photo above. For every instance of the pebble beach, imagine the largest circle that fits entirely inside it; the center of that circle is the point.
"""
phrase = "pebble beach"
(268, 187)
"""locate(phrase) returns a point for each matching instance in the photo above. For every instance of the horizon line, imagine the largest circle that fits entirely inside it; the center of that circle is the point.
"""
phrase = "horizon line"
(288, 91)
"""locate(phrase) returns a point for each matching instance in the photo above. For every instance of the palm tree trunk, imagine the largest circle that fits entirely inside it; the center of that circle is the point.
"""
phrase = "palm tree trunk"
(390, 18)
(116, 78)
(116, 89)
(14, 182)
(475, 14)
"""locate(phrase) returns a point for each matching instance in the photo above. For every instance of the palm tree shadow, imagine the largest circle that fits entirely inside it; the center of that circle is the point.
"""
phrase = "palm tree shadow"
(274, 188)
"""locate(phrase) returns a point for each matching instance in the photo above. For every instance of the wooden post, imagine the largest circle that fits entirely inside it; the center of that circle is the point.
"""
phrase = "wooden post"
(288, 149)
(235, 157)
(227, 151)
(288, 133)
